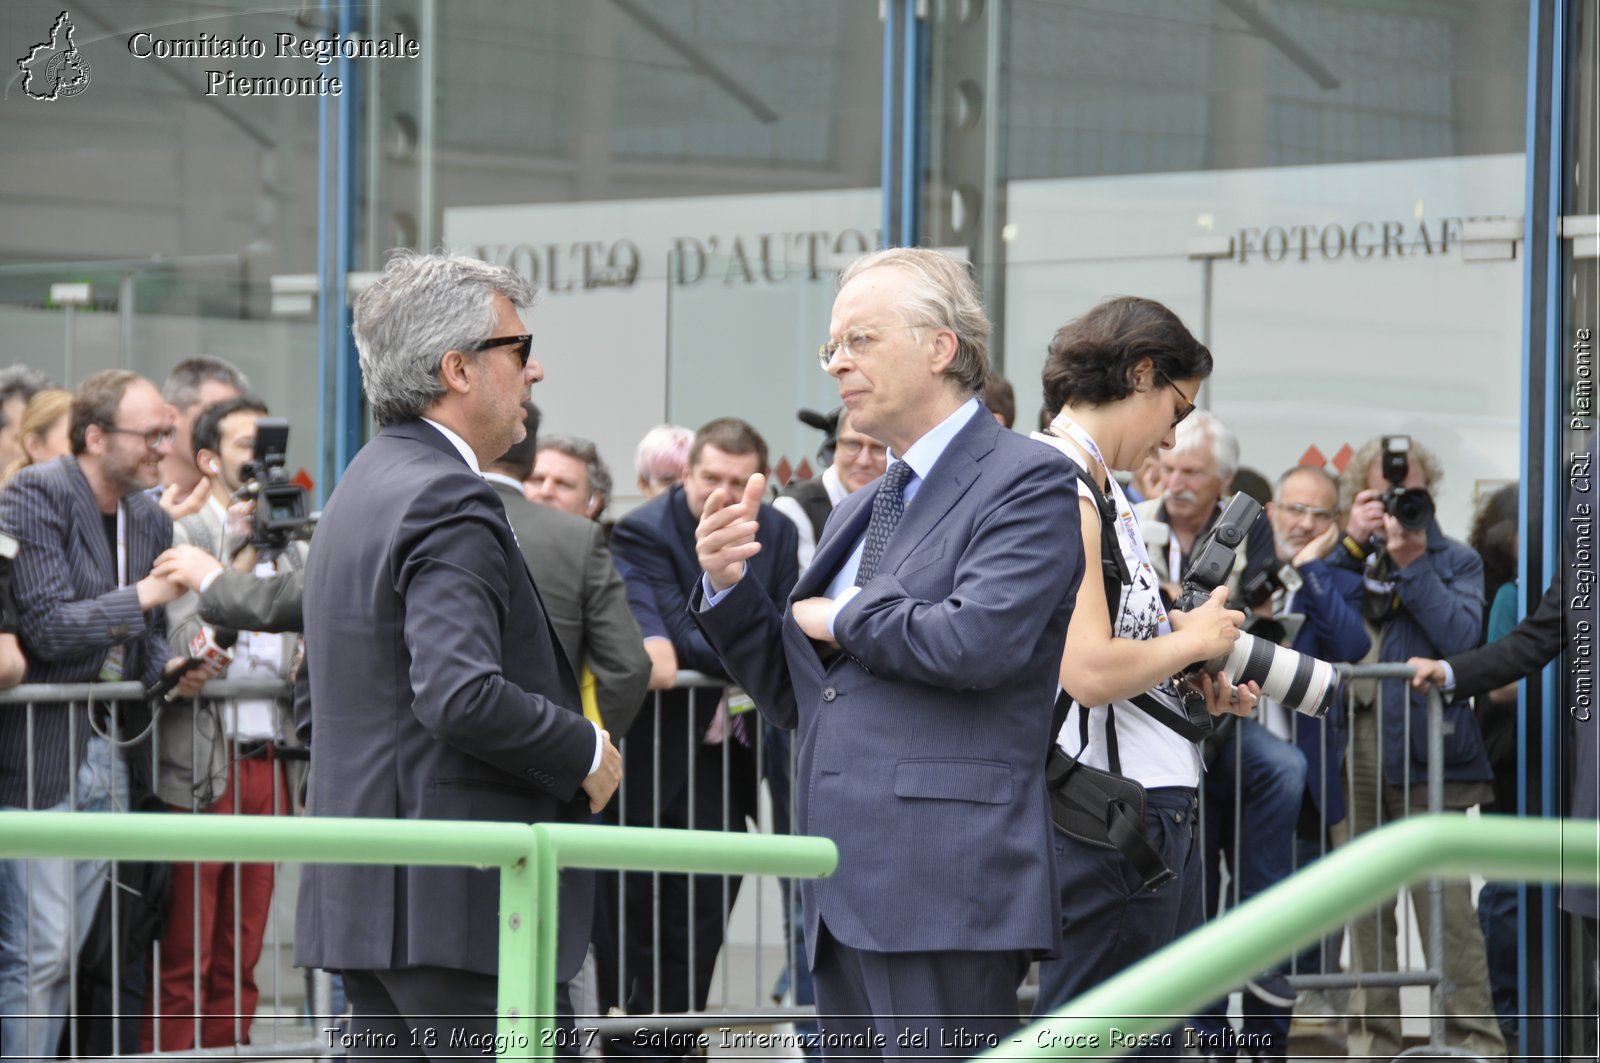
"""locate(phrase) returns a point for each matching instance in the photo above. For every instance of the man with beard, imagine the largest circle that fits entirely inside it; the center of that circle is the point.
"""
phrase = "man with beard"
(89, 611)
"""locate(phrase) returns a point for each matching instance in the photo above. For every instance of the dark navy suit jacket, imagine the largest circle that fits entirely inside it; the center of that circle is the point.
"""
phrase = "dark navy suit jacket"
(437, 690)
(656, 543)
(922, 745)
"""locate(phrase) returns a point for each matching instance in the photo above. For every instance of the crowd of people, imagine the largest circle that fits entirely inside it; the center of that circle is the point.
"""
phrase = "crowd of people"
(964, 643)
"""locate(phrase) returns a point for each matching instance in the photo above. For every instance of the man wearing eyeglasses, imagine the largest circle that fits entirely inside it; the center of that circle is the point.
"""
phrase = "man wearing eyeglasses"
(858, 459)
(1196, 476)
(90, 610)
(1279, 779)
(917, 657)
(433, 685)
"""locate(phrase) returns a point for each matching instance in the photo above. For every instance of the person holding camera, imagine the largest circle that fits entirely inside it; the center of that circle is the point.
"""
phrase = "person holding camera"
(1423, 598)
(1314, 609)
(1122, 377)
(218, 757)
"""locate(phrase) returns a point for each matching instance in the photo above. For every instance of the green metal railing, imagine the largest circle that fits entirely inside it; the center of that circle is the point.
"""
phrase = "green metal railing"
(529, 857)
(1196, 969)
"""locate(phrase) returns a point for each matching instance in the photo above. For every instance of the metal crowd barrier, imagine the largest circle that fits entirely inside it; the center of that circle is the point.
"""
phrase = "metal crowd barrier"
(658, 734)
(1109, 1019)
(529, 857)
(1397, 965)
(698, 769)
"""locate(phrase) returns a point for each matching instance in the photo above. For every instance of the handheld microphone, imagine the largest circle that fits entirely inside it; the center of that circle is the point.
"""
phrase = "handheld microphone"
(209, 646)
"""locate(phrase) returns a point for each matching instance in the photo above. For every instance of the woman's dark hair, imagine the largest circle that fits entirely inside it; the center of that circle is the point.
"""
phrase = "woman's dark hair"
(1494, 536)
(1091, 359)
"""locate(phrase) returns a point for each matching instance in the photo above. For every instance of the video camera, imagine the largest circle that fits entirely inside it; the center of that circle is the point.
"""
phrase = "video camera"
(1299, 681)
(1412, 507)
(282, 511)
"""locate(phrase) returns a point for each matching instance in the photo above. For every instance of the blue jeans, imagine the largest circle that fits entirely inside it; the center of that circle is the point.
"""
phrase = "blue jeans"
(46, 909)
(1497, 914)
(1109, 921)
(1253, 794)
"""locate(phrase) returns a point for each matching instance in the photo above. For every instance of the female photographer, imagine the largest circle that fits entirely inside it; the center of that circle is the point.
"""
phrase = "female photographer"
(1122, 376)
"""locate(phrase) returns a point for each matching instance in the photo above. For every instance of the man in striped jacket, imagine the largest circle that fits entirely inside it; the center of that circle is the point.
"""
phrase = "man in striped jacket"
(89, 610)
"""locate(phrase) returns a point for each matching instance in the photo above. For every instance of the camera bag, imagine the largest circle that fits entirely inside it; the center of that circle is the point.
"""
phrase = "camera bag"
(1106, 809)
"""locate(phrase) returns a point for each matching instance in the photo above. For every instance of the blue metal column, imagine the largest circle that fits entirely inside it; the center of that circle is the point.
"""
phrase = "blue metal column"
(891, 19)
(1542, 462)
(348, 416)
(327, 300)
(913, 122)
(338, 372)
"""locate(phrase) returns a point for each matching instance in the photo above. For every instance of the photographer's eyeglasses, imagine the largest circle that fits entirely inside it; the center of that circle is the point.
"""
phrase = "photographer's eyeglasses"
(852, 448)
(155, 438)
(1316, 513)
(524, 345)
(1183, 411)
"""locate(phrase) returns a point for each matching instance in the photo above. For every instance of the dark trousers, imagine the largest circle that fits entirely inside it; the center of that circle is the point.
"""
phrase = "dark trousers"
(888, 1005)
(1109, 921)
(419, 1013)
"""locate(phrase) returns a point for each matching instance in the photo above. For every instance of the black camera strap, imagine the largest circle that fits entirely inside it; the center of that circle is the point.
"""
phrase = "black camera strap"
(1104, 809)
(1115, 574)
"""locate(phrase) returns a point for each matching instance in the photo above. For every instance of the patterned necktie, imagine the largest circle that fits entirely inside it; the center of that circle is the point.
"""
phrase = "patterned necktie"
(887, 509)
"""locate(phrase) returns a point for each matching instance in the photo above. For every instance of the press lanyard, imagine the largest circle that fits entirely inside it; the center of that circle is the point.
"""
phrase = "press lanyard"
(1066, 428)
(111, 667)
(122, 545)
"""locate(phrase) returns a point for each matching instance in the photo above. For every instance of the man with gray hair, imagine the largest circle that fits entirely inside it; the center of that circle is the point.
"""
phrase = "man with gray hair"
(18, 384)
(434, 686)
(568, 475)
(194, 384)
(917, 655)
(1196, 474)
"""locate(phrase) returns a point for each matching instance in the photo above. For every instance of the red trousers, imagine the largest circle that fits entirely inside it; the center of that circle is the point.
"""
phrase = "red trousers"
(202, 954)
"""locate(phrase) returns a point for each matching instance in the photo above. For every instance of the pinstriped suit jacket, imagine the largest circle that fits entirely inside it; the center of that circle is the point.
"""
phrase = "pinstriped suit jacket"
(71, 613)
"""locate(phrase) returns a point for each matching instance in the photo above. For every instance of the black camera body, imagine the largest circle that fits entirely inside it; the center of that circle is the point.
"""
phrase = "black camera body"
(1296, 680)
(1216, 553)
(1259, 589)
(282, 512)
(1411, 507)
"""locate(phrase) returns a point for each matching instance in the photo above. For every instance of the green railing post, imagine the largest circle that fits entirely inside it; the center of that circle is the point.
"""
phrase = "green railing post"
(547, 930)
(518, 1007)
(530, 859)
(1219, 956)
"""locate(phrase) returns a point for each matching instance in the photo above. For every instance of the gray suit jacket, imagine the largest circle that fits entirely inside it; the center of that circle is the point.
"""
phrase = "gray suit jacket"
(587, 604)
(432, 688)
(192, 747)
(243, 602)
(71, 613)
(922, 745)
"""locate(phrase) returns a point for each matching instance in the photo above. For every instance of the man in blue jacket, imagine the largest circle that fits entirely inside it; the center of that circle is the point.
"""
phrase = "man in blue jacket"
(1423, 598)
(917, 656)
